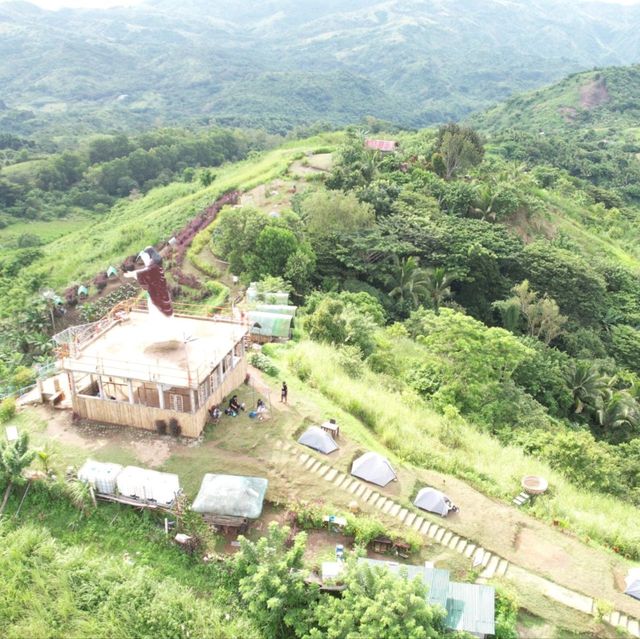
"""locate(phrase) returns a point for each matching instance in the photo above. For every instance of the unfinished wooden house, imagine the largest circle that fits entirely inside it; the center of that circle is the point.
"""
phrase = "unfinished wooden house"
(118, 375)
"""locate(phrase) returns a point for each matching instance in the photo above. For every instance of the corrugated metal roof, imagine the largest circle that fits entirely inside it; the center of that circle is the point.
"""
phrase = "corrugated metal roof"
(438, 582)
(471, 607)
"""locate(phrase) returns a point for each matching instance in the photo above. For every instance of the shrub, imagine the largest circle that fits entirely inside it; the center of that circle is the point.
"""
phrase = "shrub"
(100, 281)
(174, 427)
(506, 614)
(299, 368)
(350, 359)
(363, 529)
(161, 427)
(7, 409)
(263, 363)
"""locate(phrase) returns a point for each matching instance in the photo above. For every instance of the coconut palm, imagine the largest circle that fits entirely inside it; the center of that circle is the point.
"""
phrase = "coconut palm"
(438, 286)
(618, 413)
(587, 385)
(407, 281)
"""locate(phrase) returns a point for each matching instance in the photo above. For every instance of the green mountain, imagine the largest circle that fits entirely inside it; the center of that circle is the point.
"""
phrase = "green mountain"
(599, 99)
(279, 64)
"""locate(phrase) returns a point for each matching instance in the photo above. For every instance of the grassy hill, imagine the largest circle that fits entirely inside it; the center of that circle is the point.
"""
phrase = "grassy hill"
(606, 100)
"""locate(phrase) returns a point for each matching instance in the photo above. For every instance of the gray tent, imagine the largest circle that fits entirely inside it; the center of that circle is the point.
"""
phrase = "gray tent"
(433, 500)
(231, 495)
(373, 468)
(633, 589)
(318, 439)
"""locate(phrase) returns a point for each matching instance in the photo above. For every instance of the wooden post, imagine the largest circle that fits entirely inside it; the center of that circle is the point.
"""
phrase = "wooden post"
(130, 385)
(192, 395)
(72, 383)
(166, 526)
(160, 396)
(220, 373)
(100, 387)
(40, 390)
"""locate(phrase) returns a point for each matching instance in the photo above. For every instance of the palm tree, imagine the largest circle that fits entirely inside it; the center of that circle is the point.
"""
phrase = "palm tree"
(587, 385)
(408, 281)
(620, 411)
(14, 458)
(438, 286)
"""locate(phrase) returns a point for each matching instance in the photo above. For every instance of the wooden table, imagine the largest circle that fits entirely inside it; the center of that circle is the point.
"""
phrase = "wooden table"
(332, 429)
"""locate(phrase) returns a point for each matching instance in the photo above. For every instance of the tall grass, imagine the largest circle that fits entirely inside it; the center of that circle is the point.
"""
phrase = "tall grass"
(405, 425)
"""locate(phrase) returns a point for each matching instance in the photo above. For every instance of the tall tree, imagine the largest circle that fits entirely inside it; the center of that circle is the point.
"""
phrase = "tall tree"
(458, 148)
(407, 282)
(438, 286)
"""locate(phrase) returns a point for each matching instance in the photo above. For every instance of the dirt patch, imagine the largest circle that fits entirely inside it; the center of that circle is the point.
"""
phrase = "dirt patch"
(594, 94)
(61, 429)
(151, 452)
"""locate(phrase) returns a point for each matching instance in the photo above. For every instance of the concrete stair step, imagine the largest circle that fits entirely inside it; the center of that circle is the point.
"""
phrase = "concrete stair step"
(331, 475)
(478, 556)
(388, 506)
(440, 533)
(373, 498)
(623, 621)
(490, 569)
(354, 486)
(446, 537)
(462, 545)
(633, 627)
(502, 568)
(346, 483)
(417, 523)
(410, 518)
(395, 509)
(453, 542)
(323, 470)
(487, 558)
(315, 466)
(310, 462)
(361, 490)
(381, 502)
(302, 458)
(469, 550)
(366, 494)
(424, 529)
(402, 515)
(339, 479)
(433, 530)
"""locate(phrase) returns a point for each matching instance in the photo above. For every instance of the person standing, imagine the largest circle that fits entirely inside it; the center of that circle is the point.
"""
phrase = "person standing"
(283, 393)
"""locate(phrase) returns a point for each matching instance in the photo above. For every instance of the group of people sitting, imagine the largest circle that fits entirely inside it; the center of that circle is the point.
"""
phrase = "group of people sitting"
(235, 406)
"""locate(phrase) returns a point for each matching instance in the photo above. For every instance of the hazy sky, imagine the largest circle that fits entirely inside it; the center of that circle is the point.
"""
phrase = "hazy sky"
(93, 4)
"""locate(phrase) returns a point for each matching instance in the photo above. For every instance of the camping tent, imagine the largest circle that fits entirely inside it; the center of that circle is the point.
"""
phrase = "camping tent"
(231, 495)
(278, 309)
(318, 439)
(269, 324)
(83, 290)
(632, 581)
(102, 476)
(148, 485)
(373, 468)
(112, 271)
(432, 500)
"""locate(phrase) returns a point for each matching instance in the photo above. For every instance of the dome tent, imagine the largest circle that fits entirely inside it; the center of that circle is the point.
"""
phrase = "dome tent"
(373, 468)
(316, 438)
(433, 501)
(632, 581)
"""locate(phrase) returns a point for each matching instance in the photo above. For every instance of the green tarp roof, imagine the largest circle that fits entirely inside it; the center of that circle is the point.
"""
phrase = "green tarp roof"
(278, 309)
(231, 495)
(269, 324)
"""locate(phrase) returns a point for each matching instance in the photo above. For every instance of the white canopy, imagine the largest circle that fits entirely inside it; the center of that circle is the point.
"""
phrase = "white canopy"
(373, 468)
(433, 501)
(148, 485)
(318, 439)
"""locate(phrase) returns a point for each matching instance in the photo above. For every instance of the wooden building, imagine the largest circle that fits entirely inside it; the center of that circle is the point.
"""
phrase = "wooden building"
(118, 375)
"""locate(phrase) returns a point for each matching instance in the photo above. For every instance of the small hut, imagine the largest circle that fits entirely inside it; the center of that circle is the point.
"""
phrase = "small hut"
(112, 271)
(149, 486)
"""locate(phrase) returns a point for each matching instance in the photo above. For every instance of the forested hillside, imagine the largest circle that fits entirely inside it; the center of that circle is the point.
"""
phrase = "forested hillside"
(162, 62)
